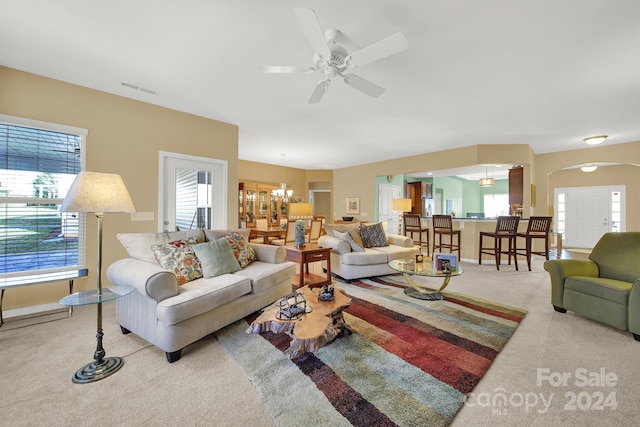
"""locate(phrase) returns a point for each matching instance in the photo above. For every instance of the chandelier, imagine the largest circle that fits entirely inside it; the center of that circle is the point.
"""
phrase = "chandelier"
(282, 193)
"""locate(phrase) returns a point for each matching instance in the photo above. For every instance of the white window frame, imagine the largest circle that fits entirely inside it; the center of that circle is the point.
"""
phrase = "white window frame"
(55, 127)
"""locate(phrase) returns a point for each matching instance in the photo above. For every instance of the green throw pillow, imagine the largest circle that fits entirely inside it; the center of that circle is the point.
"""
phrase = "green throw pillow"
(216, 257)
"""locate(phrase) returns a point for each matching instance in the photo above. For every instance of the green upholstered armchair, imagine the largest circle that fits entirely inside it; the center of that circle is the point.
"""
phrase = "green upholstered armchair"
(606, 288)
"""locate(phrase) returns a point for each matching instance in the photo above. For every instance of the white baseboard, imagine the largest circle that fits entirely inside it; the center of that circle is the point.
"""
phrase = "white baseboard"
(33, 311)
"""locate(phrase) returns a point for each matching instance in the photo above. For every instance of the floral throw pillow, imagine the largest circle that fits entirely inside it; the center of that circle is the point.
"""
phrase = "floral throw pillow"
(179, 257)
(373, 236)
(241, 248)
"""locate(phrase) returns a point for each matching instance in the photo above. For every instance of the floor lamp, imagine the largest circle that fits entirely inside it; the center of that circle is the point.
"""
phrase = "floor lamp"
(98, 193)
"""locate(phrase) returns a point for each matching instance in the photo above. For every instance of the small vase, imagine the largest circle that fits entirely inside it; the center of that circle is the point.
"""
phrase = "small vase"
(300, 237)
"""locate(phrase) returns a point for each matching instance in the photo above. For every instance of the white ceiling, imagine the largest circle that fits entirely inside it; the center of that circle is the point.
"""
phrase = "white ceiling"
(541, 72)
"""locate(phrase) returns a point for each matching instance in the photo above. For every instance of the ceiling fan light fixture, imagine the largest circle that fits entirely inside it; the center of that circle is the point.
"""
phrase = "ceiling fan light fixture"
(589, 167)
(595, 140)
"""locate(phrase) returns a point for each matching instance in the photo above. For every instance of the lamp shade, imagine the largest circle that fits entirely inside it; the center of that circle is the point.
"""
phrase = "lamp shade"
(403, 205)
(97, 192)
(486, 182)
(300, 211)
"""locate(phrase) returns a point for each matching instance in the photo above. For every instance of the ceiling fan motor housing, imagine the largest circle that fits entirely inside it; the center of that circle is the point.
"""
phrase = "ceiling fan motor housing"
(332, 66)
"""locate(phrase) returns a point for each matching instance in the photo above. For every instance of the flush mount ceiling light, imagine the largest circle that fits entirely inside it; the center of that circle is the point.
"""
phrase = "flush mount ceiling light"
(589, 167)
(595, 140)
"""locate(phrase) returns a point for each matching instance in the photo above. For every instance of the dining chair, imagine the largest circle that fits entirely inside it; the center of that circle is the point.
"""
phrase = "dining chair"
(315, 231)
(506, 228)
(538, 228)
(412, 224)
(262, 224)
(442, 225)
(290, 235)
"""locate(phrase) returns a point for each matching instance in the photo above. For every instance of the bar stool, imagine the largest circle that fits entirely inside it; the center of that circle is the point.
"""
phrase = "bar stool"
(538, 228)
(442, 225)
(412, 224)
(506, 228)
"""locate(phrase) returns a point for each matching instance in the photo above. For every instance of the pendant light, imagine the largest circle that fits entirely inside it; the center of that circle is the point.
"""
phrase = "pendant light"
(486, 181)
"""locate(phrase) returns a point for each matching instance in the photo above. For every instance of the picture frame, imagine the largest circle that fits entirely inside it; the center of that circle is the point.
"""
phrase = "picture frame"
(353, 205)
(439, 257)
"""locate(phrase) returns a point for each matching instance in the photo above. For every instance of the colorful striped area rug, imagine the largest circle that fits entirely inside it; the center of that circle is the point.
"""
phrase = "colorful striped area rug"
(408, 362)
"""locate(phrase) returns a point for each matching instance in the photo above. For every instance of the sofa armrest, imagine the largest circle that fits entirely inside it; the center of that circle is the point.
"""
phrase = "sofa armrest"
(337, 245)
(560, 269)
(147, 278)
(269, 253)
(399, 240)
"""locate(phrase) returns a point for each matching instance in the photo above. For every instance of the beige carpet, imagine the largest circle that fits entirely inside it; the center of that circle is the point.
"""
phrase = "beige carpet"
(207, 388)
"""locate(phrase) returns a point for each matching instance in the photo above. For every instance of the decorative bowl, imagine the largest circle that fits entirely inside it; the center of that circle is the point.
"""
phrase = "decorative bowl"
(347, 218)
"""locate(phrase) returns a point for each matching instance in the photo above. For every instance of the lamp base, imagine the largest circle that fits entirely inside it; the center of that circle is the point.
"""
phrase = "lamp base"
(97, 370)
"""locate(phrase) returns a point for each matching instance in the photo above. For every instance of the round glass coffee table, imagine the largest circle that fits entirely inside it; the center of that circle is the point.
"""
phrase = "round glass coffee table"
(409, 267)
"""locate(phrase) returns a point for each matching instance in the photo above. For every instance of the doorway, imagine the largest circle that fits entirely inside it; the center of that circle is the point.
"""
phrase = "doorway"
(584, 214)
(192, 192)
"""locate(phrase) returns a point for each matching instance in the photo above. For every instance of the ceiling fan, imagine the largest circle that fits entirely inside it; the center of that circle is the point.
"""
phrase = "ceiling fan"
(333, 60)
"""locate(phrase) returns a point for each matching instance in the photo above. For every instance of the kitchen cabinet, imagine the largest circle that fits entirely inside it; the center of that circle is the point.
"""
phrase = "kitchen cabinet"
(417, 191)
(516, 188)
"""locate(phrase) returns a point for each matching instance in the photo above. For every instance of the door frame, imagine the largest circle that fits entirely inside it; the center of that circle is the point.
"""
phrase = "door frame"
(219, 186)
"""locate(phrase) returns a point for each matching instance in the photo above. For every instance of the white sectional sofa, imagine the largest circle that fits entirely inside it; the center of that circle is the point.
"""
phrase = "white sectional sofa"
(353, 259)
(172, 316)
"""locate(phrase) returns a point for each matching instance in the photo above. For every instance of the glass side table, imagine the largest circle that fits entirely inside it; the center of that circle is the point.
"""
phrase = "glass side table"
(410, 267)
(102, 366)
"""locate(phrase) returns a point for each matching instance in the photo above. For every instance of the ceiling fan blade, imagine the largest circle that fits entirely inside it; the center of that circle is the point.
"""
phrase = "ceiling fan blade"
(385, 47)
(285, 69)
(363, 85)
(319, 91)
(311, 26)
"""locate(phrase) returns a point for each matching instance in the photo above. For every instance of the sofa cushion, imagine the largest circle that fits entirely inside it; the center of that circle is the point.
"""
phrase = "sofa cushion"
(355, 247)
(609, 289)
(397, 252)
(201, 296)
(368, 257)
(180, 258)
(343, 228)
(138, 245)
(216, 257)
(241, 248)
(373, 236)
(265, 275)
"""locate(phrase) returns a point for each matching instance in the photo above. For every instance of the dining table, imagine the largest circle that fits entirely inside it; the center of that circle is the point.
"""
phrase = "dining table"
(267, 233)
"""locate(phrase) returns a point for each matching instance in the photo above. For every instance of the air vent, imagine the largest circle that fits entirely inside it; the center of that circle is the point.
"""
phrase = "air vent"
(138, 88)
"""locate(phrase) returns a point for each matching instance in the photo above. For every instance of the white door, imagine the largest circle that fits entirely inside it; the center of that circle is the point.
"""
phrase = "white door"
(588, 215)
(386, 193)
(192, 192)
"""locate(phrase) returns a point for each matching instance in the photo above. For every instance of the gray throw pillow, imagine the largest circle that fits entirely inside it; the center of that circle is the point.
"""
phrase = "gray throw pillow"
(216, 257)
(373, 236)
(347, 238)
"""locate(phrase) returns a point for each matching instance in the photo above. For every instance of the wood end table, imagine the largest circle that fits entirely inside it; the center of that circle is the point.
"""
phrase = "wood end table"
(303, 255)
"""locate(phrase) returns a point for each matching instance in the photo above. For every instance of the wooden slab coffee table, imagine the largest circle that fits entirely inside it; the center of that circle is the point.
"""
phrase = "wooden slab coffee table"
(312, 330)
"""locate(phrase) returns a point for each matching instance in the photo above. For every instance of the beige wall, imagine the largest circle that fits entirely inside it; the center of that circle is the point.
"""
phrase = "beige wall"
(124, 137)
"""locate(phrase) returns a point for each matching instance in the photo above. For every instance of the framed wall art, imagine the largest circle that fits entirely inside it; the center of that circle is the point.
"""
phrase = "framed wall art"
(353, 205)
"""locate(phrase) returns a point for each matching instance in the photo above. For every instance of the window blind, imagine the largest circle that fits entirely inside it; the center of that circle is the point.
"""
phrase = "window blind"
(37, 167)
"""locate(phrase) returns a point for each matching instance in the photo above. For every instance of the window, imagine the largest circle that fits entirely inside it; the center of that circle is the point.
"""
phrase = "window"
(496, 205)
(38, 163)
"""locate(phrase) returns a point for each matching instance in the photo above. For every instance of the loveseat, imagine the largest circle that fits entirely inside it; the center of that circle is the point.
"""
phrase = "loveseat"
(172, 306)
(353, 257)
(606, 287)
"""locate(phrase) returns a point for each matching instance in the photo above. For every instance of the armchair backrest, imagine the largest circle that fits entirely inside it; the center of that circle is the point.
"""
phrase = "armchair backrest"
(617, 256)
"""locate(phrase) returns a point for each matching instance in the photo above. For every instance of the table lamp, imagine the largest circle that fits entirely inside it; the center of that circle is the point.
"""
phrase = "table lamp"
(401, 205)
(98, 193)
